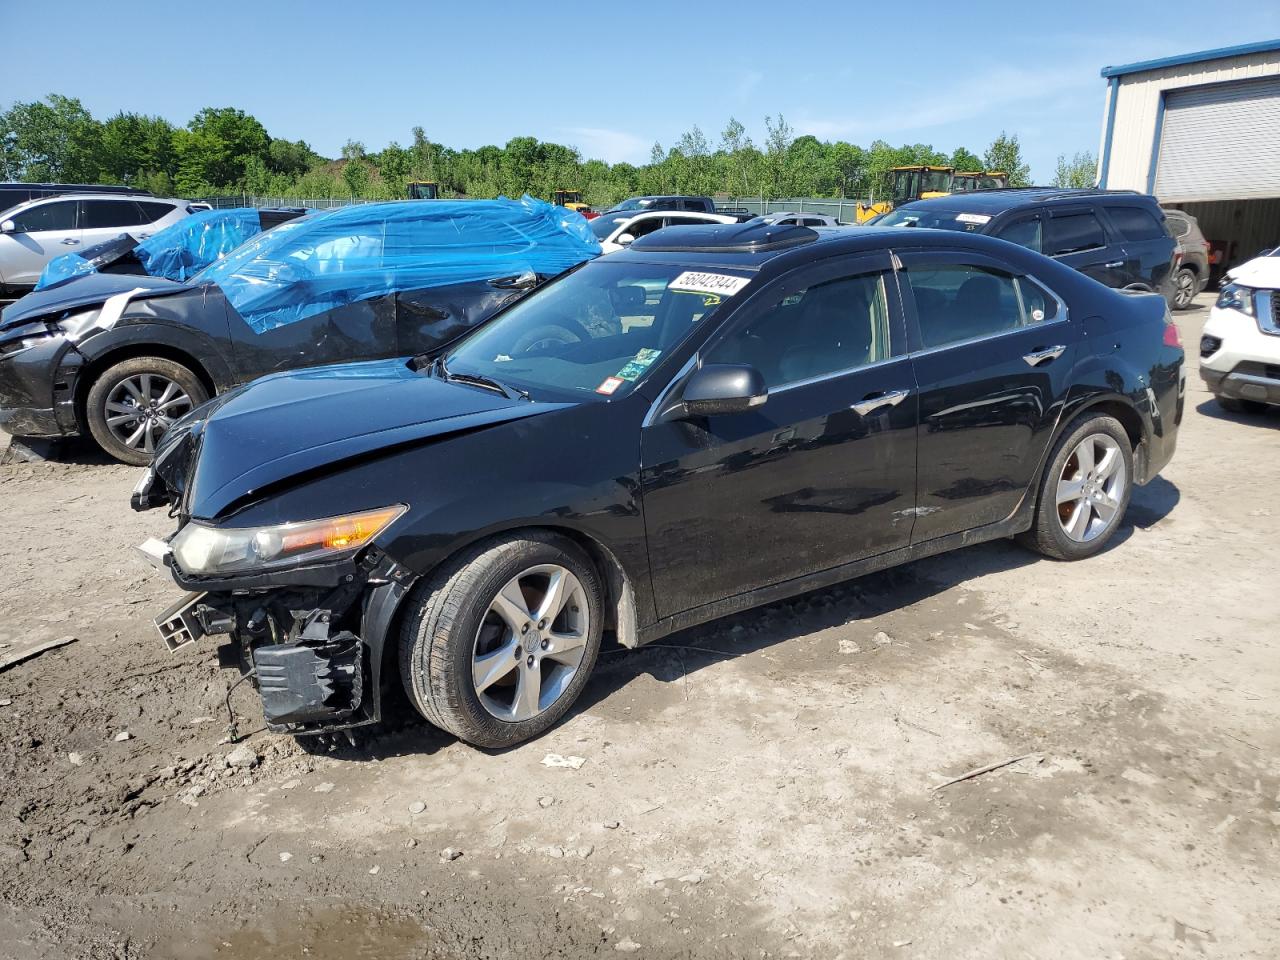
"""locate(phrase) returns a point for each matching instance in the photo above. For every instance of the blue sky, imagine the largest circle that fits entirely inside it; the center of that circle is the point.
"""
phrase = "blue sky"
(611, 78)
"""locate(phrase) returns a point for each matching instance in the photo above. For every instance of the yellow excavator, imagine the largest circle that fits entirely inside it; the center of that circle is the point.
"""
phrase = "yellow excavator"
(424, 190)
(573, 200)
(969, 180)
(909, 183)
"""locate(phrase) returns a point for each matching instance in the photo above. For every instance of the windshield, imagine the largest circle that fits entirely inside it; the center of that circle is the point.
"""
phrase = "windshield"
(937, 219)
(595, 332)
(604, 225)
(636, 203)
(936, 180)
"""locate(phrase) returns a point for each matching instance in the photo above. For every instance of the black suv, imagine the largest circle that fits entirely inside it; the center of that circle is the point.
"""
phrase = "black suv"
(668, 202)
(12, 194)
(1118, 237)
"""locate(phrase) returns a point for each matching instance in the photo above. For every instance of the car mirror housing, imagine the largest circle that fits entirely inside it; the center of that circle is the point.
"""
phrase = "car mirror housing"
(625, 239)
(717, 389)
(8, 226)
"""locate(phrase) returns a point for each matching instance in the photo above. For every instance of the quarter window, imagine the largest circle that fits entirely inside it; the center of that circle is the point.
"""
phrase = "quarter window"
(827, 328)
(153, 211)
(1072, 233)
(1134, 223)
(956, 302)
(47, 216)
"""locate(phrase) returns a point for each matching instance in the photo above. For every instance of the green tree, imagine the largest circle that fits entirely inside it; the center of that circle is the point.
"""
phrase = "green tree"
(778, 137)
(290, 157)
(1080, 171)
(964, 161)
(214, 150)
(1005, 153)
(134, 146)
(51, 139)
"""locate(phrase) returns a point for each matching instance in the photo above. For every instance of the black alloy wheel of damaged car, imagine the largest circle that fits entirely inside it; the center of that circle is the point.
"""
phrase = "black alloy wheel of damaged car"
(753, 412)
(132, 403)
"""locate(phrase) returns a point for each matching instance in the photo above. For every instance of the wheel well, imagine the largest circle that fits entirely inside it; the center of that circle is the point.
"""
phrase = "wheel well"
(1127, 416)
(1190, 265)
(91, 372)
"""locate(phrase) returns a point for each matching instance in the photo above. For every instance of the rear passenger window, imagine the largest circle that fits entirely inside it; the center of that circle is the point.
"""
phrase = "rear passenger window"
(99, 214)
(1072, 233)
(1134, 223)
(825, 329)
(956, 302)
(1025, 233)
(810, 222)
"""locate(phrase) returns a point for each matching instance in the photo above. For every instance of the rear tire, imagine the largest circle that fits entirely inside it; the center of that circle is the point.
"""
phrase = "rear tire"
(131, 404)
(1084, 491)
(1184, 288)
(483, 654)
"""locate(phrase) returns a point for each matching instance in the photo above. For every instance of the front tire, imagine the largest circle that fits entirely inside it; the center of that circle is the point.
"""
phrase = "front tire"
(132, 404)
(500, 643)
(1084, 491)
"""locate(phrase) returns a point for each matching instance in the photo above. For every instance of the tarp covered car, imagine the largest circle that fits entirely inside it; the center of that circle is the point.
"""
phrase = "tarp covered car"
(177, 252)
(124, 356)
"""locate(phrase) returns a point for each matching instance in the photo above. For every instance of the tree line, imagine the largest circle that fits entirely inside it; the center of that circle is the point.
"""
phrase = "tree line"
(224, 150)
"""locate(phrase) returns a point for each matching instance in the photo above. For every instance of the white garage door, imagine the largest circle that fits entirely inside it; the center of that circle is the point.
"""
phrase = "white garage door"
(1221, 142)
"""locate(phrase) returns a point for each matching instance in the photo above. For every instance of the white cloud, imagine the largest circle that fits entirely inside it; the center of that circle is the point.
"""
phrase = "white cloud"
(611, 146)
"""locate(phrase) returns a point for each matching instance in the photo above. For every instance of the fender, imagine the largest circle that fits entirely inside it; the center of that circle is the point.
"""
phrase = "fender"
(133, 332)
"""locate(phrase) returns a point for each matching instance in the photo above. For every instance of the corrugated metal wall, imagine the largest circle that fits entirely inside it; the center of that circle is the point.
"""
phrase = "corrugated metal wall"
(1138, 102)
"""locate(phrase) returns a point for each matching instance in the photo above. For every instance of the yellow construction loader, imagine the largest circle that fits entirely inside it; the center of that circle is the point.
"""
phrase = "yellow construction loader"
(909, 183)
(970, 180)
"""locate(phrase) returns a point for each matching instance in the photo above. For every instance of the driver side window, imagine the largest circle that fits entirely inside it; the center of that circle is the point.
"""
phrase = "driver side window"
(48, 216)
(825, 329)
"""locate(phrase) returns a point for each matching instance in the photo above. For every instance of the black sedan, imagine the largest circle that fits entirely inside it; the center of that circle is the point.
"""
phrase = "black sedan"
(766, 410)
(122, 357)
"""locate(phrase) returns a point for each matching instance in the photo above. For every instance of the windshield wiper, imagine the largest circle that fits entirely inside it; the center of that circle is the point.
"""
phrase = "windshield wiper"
(479, 380)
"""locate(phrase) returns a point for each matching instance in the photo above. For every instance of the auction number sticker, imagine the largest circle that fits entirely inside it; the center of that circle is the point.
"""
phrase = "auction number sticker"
(718, 283)
(972, 218)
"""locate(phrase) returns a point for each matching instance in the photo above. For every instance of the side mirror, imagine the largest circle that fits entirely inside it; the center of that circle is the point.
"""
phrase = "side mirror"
(721, 388)
(625, 240)
(8, 227)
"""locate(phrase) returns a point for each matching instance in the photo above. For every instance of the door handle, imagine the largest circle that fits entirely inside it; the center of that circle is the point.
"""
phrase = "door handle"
(1114, 265)
(873, 402)
(70, 240)
(1037, 357)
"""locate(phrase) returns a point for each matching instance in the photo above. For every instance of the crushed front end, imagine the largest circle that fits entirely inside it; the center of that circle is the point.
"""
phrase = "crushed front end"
(303, 609)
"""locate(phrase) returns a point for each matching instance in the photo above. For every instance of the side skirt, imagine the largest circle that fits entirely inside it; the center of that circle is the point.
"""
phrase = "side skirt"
(1017, 522)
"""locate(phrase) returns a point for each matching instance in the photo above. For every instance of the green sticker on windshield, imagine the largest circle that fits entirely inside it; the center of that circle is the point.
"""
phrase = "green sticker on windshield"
(639, 364)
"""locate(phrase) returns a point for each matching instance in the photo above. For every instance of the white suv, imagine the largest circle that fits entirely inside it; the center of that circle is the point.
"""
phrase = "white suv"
(1240, 346)
(33, 233)
(617, 231)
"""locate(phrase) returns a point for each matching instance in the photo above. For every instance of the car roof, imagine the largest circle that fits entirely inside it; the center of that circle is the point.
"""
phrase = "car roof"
(755, 243)
(1011, 198)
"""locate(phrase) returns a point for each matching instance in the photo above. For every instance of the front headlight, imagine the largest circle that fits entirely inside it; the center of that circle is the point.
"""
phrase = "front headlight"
(222, 551)
(1236, 297)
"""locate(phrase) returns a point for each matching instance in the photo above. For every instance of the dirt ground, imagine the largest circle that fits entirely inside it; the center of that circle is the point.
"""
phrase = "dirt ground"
(758, 787)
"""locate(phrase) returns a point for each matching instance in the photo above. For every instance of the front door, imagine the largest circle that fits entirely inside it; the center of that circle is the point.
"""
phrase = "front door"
(41, 233)
(1078, 238)
(821, 474)
(993, 354)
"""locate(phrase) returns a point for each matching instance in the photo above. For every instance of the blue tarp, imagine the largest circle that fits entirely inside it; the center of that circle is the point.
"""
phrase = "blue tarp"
(61, 269)
(180, 251)
(341, 256)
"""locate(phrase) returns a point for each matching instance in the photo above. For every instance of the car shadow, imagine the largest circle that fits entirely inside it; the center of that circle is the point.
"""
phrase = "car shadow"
(1269, 418)
(74, 450)
(679, 656)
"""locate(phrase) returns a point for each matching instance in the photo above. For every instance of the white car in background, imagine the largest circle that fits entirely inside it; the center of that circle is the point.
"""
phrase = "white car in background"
(793, 219)
(1240, 344)
(33, 233)
(617, 231)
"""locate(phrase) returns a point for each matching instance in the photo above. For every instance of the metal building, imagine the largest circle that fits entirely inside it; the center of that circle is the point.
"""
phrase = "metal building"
(1201, 131)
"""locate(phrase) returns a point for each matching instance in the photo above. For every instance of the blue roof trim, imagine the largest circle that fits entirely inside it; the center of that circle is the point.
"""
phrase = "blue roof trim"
(1262, 46)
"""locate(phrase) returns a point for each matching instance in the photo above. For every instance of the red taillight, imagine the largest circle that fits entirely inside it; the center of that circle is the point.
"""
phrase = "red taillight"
(1172, 336)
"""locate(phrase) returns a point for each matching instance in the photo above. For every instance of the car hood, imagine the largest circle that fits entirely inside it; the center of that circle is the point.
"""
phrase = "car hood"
(91, 289)
(1259, 272)
(287, 428)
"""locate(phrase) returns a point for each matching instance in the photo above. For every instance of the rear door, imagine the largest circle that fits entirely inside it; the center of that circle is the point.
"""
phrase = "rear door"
(106, 219)
(992, 353)
(1147, 243)
(1079, 239)
(42, 232)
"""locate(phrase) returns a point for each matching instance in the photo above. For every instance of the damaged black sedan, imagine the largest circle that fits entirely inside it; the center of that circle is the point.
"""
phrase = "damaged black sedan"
(755, 412)
(122, 357)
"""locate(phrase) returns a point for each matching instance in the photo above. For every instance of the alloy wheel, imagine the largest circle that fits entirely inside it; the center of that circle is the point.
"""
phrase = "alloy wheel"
(530, 643)
(1185, 291)
(140, 408)
(1091, 488)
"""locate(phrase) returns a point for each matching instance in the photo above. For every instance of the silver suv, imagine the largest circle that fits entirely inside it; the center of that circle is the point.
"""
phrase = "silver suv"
(33, 233)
